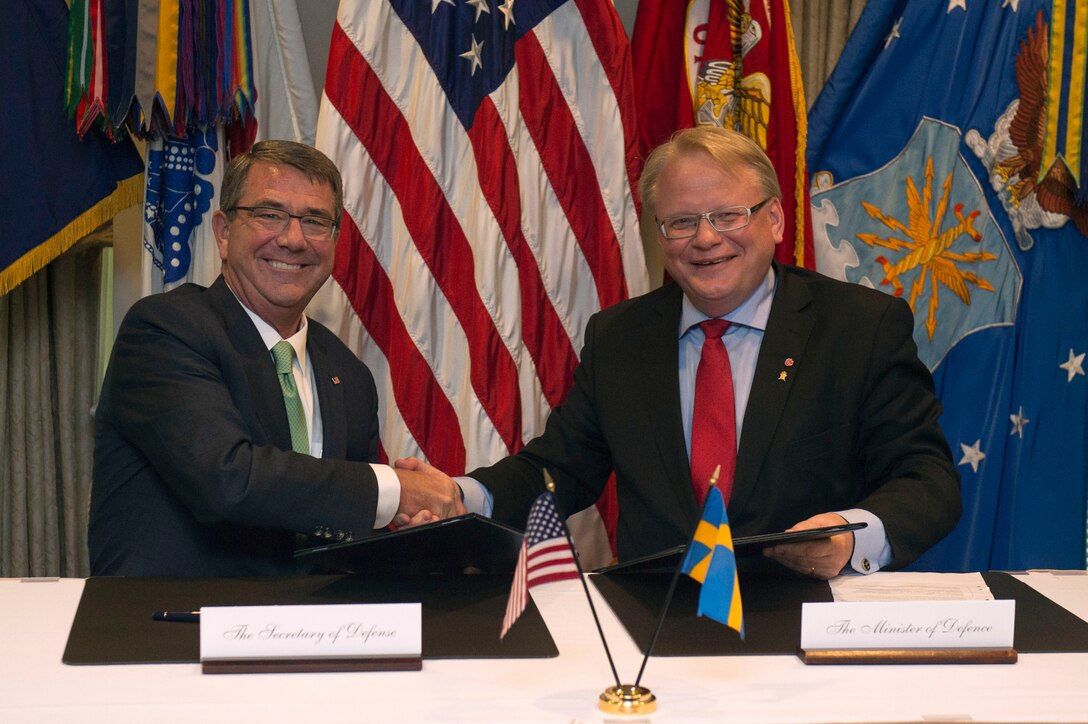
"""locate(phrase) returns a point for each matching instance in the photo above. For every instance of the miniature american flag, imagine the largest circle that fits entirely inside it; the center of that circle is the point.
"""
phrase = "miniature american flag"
(545, 557)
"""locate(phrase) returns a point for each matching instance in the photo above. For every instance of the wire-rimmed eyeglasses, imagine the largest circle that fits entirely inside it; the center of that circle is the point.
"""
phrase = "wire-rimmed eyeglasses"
(274, 221)
(730, 218)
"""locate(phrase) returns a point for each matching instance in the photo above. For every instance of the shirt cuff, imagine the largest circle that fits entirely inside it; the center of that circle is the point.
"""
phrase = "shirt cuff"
(478, 499)
(872, 551)
(388, 495)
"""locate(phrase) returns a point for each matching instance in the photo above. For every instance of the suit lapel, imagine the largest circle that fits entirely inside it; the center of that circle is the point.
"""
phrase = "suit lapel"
(329, 396)
(660, 390)
(782, 351)
(257, 365)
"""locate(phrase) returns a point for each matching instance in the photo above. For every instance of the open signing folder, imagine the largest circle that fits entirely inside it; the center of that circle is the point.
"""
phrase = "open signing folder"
(468, 543)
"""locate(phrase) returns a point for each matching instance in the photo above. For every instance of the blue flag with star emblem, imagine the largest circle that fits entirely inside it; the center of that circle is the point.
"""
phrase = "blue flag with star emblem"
(948, 167)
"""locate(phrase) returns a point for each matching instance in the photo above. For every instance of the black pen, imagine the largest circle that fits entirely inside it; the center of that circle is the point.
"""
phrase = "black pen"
(179, 616)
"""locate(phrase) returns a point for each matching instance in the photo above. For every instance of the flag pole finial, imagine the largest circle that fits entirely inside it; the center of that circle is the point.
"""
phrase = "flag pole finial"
(548, 482)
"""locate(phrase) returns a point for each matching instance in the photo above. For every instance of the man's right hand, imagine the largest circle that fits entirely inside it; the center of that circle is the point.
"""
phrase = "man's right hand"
(424, 487)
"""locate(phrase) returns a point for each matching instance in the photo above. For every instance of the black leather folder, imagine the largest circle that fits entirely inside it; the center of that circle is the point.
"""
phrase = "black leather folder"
(467, 543)
(745, 546)
(772, 600)
(462, 615)
(771, 603)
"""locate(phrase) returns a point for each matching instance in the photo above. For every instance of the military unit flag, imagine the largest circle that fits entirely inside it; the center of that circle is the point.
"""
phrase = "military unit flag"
(950, 168)
(57, 187)
(732, 64)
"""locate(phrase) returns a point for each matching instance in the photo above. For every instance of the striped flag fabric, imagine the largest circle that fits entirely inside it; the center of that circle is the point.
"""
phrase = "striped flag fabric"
(710, 560)
(545, 557)
(489, 157)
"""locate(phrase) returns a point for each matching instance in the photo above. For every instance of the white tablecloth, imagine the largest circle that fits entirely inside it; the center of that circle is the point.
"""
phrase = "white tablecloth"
(35, 686)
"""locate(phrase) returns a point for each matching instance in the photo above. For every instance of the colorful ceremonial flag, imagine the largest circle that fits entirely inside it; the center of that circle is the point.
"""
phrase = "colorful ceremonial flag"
(948, 161)
(57, 187)
(184, 173)
(545, 557)
(489, 161)
(710, 561)
(733, 64)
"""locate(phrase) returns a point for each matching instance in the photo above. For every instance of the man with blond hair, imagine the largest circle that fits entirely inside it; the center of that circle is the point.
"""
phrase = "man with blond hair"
(818, 408)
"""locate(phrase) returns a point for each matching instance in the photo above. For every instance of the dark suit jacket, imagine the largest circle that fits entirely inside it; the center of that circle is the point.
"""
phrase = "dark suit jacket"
(854, 424)
(193, 473)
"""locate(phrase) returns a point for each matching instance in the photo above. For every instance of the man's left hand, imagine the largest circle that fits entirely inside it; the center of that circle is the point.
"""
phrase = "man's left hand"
(823, 558)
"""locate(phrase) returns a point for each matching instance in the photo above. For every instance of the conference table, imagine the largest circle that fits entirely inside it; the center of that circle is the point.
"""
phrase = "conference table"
(36, 686)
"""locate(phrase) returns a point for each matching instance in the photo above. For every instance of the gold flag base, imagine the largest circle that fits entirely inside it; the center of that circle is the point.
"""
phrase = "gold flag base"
(627, 699)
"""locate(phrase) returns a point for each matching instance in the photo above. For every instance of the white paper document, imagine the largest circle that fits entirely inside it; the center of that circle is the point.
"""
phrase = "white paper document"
(911, 586)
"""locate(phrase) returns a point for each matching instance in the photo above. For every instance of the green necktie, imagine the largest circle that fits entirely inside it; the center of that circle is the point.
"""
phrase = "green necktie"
(296, 416)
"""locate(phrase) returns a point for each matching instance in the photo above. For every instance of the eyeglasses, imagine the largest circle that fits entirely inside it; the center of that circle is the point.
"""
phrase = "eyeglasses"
(274, 221)
(730, 218)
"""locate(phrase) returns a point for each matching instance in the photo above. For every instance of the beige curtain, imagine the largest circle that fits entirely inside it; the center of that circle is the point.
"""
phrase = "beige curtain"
(820, 29)
(48, 353)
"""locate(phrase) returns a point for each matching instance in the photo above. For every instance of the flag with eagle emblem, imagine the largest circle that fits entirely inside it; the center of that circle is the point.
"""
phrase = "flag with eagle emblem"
(948, 167)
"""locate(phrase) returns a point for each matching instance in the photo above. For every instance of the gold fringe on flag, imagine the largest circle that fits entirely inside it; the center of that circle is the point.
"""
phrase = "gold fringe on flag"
(800, 112)
(129, 192)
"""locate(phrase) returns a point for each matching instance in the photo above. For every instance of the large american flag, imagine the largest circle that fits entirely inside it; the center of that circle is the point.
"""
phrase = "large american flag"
(489, 157)
(545, 557)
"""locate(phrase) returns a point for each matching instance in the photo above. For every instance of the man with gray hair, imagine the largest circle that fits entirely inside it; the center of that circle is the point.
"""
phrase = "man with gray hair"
(229, 423)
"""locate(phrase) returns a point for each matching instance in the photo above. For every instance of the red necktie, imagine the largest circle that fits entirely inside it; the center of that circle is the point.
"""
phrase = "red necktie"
(713, 423)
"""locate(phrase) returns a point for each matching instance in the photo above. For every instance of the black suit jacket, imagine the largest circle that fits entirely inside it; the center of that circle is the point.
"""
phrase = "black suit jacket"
(854, 424)
(193, 469)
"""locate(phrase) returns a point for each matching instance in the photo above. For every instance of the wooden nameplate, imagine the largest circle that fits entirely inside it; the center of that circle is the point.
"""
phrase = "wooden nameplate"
(315, 665)
(995, 655)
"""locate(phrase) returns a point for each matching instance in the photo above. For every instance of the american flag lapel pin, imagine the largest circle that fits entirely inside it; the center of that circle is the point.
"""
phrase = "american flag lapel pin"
(335, 380)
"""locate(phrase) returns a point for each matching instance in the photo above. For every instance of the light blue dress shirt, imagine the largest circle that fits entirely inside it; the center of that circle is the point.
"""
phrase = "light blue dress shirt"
(748, 322)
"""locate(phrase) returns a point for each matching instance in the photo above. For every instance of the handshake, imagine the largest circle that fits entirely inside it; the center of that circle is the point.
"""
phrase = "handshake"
(426, 494)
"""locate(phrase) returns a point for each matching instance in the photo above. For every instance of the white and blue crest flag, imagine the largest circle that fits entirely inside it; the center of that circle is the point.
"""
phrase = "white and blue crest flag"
(183, 176)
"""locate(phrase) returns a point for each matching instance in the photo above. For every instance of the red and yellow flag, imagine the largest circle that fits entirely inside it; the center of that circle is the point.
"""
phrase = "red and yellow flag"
(728, 63)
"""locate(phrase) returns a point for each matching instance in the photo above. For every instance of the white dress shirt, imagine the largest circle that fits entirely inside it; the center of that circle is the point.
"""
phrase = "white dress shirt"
(303, 372)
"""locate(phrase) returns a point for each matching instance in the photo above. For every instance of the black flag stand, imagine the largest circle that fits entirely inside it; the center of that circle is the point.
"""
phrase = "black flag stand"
(628, 698)
(621, 698)
(550, 485)
(672, 584)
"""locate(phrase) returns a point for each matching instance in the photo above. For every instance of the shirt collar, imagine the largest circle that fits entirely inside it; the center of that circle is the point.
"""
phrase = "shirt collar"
(270, 336)
(753, 311)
